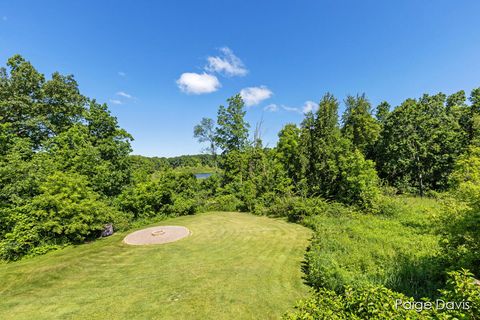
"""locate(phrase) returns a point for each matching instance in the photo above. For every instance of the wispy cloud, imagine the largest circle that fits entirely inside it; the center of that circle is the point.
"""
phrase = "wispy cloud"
(195, 83)
(115, 101)
(271, 108)
(124, 94)
(227, 64)
(308, 106)
(254, 95)
(121, 74)
(122, 98)
(291, 109)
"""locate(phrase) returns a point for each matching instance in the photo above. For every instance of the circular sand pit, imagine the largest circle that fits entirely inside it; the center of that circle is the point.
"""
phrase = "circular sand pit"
(157, 235)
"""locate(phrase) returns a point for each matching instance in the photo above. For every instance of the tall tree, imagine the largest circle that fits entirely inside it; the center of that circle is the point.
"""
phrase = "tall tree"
(324, 136)
(232, 129)
(288, 151)
(38, 109)
(358, 124)
(205, 132)
(382, 111)
(333, 167)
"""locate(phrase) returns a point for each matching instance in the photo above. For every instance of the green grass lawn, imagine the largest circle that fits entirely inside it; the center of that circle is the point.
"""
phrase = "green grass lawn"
(233, 266)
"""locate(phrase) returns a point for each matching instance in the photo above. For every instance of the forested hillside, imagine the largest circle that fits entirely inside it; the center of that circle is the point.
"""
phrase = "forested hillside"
(392, 194)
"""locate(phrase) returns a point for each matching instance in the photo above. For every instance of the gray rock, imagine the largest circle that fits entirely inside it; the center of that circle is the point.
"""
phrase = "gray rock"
(107, 230)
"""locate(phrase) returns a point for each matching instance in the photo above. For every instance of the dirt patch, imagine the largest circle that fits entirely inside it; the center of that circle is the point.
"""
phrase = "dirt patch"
(156, 235)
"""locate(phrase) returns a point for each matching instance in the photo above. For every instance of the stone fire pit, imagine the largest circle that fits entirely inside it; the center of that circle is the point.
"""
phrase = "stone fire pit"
(157, 235)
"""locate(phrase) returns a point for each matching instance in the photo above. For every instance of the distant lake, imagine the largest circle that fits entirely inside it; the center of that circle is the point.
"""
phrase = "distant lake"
(202, 175)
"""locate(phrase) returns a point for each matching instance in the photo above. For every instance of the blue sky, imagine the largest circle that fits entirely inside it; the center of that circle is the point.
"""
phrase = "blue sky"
(132, 55)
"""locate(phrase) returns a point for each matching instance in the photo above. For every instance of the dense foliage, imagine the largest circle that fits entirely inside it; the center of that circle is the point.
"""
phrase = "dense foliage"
(65, 169)
(168, 193)
(461, 236)
(62, 157)
(421, 140)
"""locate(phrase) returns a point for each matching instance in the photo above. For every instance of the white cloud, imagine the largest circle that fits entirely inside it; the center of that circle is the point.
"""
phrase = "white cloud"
(124, 94)
(115, 101)
(291, 109)
(226, 64)
(254, 95)
(195, 83)
(122, 74)
(309, 106)
(271, 107)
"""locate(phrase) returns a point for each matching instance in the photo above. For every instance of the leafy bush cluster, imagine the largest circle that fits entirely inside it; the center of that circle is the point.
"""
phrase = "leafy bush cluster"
(377, 302)
(66, 210)
(298, 209)
(461, 236)
(167, 193)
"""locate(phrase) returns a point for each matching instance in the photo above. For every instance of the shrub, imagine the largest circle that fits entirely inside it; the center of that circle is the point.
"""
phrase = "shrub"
(378, 302)
(388, 207)
(226, 202)
(461, 236)
(294, 208)
(66, 211)
(167, 193)
(358, 181)
(183, 206)
(365, 303)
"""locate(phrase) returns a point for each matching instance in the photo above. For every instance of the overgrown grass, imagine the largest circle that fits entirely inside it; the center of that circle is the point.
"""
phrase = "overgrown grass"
(233, 266)
(397, 249)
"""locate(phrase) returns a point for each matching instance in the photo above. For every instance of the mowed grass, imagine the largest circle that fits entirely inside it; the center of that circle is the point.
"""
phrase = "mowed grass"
(233, 266)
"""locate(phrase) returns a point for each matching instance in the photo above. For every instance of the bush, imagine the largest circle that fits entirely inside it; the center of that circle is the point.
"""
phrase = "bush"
(168, 193)
(297, 209)
(183, 206)
(358, 182)
(365, 303)
(226, 202)
(388, 207)
(378, 302)
(294, 208)
(66, 211)
(461, 236)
